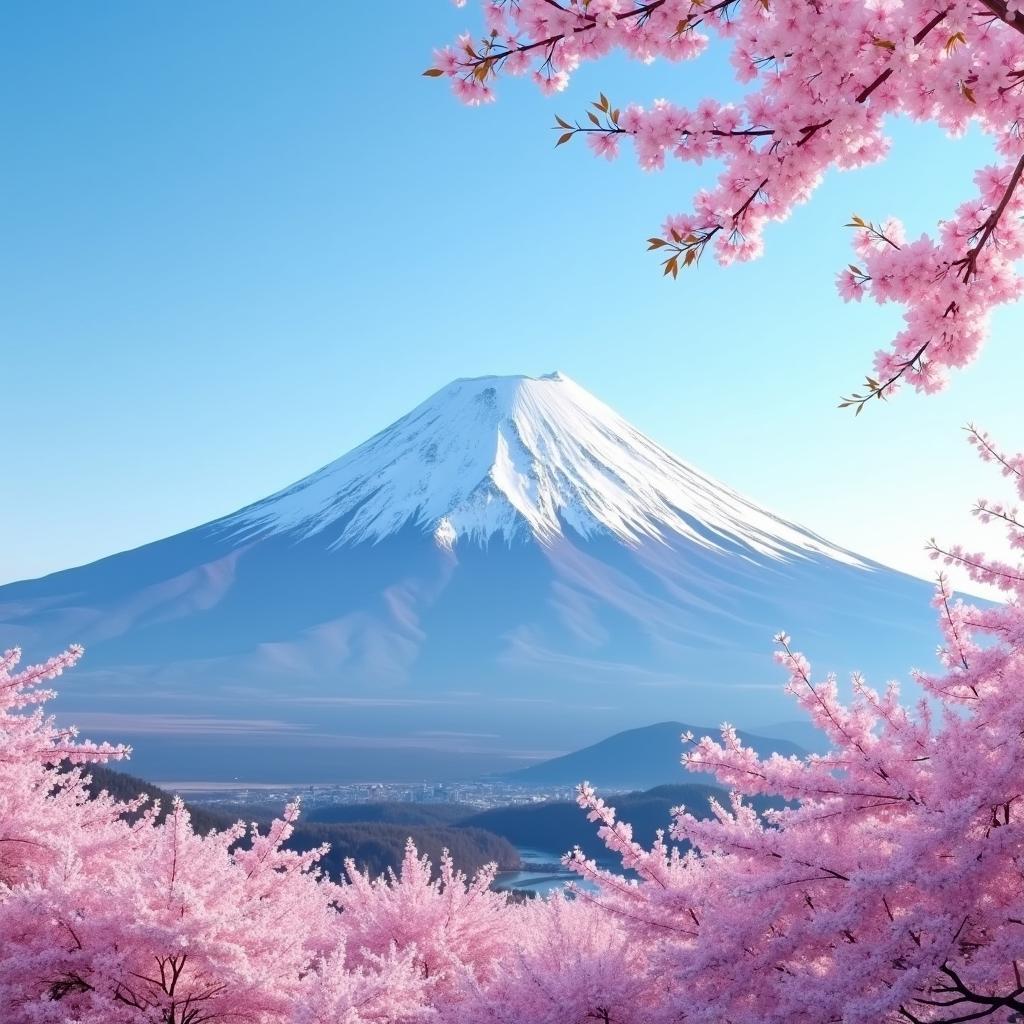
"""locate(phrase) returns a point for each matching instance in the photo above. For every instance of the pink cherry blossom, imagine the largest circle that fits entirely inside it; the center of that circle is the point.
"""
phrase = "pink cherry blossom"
(823, 79)
(889, 887)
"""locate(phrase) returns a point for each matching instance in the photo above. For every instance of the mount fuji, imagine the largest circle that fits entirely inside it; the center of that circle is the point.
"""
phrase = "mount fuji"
(508, 572)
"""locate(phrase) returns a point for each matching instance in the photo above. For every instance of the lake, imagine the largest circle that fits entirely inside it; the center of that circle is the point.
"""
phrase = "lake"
(541, 873)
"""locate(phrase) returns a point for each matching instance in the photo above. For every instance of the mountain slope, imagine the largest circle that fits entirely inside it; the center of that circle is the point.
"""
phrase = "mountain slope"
(509, 572)
(644, 757)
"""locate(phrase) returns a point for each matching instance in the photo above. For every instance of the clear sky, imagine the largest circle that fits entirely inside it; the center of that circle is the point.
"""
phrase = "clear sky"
(239, 238)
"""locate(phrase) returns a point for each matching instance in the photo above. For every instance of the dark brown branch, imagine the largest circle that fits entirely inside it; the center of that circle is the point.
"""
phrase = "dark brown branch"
(999, 9)
(969, 263)
(643, 12)
(953, 629)
(865, 93)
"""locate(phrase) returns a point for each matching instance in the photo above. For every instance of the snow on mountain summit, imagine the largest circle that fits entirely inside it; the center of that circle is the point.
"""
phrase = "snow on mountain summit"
(520, 457)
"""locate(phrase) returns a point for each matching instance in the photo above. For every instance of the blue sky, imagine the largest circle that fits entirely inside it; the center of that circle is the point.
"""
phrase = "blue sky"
(240, 238)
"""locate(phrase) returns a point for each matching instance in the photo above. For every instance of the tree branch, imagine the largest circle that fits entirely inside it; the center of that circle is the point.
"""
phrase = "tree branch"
(969, 264)
(999, 9)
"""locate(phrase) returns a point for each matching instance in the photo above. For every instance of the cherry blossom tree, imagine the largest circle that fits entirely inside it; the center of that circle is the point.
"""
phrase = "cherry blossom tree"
(821, 79)
(46, 817)
(452, 926)
(170, 926)
(112, 916)
(392, 990)
(892, 888)
(567, 962)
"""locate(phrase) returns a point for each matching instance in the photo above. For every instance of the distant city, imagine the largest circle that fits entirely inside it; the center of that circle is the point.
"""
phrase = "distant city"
(480, 794)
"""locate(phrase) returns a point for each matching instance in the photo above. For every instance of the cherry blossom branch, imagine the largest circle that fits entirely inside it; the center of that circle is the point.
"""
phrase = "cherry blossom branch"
(988, 451)
(980, 569)
(874, 389)
(1002, 11)
(692, 245)
(819, 103)
(969, 263)
(480, 66)
(951, 624)
(960, 993)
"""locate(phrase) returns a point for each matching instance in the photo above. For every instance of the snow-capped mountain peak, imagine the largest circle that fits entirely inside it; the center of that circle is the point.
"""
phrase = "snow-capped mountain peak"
(520, 457)
(501, 573)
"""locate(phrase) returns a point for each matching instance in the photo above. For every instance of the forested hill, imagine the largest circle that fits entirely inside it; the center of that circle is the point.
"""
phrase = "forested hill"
(123, 786)
(559, 825)
(373, 845)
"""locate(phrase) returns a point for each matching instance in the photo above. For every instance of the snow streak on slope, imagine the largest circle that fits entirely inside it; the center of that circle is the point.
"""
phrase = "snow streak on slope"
(519, 458)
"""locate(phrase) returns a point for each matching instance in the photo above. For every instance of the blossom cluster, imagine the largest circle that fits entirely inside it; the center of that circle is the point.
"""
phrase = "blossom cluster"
(820, 80)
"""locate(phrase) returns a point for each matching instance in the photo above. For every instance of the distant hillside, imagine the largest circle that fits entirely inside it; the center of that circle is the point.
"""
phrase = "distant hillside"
(559, 825)
(375, 845)
(638, 758)
(123, 786)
